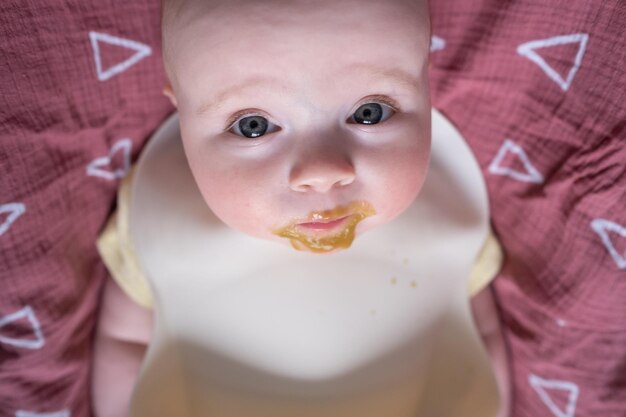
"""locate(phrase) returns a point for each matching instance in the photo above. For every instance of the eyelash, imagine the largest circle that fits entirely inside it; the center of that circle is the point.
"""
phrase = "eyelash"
(251, 112)
(382, 99)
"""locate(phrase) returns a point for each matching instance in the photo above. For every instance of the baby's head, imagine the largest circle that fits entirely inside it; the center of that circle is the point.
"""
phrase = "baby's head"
(303, 121)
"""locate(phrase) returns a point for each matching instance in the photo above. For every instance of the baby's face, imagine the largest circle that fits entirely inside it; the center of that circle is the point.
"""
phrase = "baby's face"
(304, 122)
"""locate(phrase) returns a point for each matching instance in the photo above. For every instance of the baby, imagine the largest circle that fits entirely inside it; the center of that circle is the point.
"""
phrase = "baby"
(304, 122)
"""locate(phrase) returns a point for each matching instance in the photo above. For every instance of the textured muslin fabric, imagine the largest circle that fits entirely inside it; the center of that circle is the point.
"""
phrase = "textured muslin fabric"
(537, 88)
(80, 86)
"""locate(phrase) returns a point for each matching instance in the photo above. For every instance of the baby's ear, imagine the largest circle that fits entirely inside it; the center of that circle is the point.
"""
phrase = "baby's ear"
(169, 93)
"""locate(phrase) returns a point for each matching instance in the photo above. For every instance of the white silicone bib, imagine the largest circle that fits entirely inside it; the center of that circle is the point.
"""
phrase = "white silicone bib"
(249, 328)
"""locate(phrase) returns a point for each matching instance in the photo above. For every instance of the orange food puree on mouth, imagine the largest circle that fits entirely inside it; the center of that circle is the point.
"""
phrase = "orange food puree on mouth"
(342, 239)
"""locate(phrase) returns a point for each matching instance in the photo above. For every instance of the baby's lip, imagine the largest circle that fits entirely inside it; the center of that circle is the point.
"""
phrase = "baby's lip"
(324, 224)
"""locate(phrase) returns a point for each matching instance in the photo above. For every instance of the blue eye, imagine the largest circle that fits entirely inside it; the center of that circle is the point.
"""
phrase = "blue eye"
(252, 127)
(372, 113)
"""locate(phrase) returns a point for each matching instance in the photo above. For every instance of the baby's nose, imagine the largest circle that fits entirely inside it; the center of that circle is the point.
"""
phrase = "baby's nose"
(321, 174)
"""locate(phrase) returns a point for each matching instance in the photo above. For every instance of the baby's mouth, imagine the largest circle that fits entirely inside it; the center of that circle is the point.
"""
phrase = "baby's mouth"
(324, 225)
(328, 230)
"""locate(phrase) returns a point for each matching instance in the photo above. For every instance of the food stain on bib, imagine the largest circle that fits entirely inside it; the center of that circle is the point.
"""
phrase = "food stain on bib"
(328, 230)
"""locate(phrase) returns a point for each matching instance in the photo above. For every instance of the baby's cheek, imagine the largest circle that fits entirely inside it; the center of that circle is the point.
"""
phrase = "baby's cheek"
(405, 177)
(236, 201)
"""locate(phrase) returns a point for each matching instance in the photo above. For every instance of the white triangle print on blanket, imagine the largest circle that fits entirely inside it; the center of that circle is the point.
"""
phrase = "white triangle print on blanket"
(602, 227)
(15, 210)
(496, 167)
(31, 343)
(529, 50)
(437, 43)
(62, 413)
(103, 166)
(540, 385)
(141, 49)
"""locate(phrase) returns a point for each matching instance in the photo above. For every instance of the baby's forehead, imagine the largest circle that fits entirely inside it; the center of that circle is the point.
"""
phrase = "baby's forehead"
(241, 20)
(238, 33)
(300, 11)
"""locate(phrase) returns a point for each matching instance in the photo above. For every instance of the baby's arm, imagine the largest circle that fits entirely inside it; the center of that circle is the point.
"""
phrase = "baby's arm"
(123, 332)
(487, 320)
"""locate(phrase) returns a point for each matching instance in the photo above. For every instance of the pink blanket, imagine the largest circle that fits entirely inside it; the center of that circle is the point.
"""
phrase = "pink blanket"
(539, 91)
(537, 88)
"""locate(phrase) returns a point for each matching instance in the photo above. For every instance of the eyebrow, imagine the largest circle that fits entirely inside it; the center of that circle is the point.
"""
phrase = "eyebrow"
(397, 74)
(228, 93)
